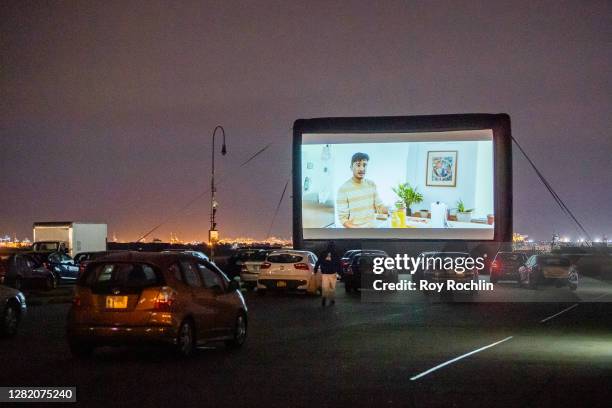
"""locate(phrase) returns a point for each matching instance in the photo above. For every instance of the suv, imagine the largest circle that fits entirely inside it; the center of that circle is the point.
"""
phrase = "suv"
(506, 266)
(149, 297)
(435, 270)
(26, 270)
(542, 269)
(359, 273)
(348, 256)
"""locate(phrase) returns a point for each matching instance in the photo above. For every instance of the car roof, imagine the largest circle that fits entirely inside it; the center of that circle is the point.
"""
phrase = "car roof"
(290, 251)
(161, 259)
(442, 253)
(544, 256)
(510, 254)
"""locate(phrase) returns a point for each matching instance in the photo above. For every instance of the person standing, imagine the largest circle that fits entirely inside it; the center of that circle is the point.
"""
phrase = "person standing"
(329, 263)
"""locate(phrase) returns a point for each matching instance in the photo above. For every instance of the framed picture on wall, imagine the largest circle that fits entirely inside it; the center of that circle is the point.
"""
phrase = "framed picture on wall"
(441, 168)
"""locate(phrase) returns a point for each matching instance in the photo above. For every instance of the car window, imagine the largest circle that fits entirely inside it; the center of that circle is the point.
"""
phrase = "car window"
(211, 279)
(512, 257)
(175, 270)
(190, 274)
(556, 262)
(30, 262)
(20, 262)
(124, 275)
(54, 258)
(198, 254)
(285, 258)
(65, 258)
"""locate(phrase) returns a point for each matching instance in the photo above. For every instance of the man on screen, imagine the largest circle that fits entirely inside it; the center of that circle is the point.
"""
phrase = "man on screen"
(358, 202)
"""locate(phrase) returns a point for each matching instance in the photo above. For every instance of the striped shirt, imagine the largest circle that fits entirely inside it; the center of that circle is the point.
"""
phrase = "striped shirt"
(357, 202)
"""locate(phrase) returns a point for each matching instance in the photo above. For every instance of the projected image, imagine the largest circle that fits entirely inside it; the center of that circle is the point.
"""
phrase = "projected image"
(415, 188)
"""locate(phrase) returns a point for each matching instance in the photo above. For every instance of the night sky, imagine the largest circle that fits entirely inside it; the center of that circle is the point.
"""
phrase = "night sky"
(107, 108)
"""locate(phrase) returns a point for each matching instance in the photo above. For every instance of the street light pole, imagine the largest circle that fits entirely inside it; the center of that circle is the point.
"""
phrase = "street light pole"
(213, 233)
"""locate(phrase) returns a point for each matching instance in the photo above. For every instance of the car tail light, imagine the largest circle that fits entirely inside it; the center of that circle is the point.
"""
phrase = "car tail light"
(265, 265)
(301, 266)
(82, 267)
(76, 301)
(495, 265)
(165, 299)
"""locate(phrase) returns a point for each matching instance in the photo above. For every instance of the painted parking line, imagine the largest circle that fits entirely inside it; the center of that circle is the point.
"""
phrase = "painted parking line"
(599, 297)
(567, 309)
(454, 360)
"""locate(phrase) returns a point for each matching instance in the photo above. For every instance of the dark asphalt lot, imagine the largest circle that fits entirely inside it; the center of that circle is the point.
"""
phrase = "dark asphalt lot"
(353, 354)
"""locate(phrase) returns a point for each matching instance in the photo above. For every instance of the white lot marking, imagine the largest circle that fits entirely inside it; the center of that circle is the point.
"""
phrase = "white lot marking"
(439, 366)
(557, 314)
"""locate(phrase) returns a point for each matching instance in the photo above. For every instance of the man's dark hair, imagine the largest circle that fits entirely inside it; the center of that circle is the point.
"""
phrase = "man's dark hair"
(359, 156)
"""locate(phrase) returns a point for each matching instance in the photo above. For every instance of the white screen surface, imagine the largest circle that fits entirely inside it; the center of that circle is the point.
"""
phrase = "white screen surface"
(342, 198)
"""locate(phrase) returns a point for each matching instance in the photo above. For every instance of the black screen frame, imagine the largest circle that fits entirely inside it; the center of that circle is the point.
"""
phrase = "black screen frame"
(502, 160)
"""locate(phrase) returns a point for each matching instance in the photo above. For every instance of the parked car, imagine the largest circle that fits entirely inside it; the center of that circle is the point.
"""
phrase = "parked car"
(3, 266)
(235, 262)
(251, 265)
(61, 264)
(26, 270)
(347, 258)
(435, 270)
(90, 256)
(505, 266)
(548, 269)
(12, 309)
(359, 273)
(151, 297)
(83, 258)
(197, 254)
(286, 270)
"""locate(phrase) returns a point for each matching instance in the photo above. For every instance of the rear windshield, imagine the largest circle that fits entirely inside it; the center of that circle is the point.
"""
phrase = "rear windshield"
(511, 257)
(556, 262)
(285, 258)
(252, 256)
(256, 256)
(447, 255)
(106, 276)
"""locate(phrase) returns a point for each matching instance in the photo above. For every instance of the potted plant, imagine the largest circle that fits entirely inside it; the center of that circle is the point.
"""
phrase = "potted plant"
(408, 195)
(424, 213)
(463, 214)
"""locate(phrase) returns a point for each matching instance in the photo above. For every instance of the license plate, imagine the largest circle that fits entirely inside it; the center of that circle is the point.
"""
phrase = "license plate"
(281, 284)
(116, 302)
(555, 273)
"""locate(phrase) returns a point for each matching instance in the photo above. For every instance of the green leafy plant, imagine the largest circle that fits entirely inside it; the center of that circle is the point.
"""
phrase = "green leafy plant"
(461, 207)
(408, 194)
